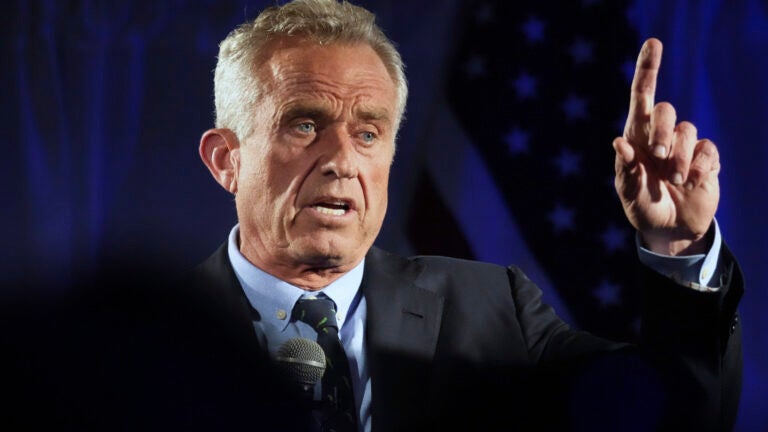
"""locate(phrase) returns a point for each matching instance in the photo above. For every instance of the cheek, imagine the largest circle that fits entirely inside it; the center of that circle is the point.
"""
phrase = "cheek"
(282, 183)
(261, 184)
(378, 187)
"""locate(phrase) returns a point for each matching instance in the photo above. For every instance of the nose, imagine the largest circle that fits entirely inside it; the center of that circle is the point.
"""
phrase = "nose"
(339, 154)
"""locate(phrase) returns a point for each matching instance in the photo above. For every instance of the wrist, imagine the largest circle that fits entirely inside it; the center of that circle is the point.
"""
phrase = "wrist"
(666, 243)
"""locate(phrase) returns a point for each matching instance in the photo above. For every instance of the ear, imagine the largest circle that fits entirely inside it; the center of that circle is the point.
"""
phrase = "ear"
(220, 152)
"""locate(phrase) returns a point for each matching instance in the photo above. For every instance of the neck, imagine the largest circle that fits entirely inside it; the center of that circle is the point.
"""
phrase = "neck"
(311, 271)
(314, 279)
(310, 274)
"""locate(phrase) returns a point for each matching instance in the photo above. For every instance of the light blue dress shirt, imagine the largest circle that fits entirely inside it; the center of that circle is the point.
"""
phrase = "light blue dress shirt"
(274, 299)
(701, 271)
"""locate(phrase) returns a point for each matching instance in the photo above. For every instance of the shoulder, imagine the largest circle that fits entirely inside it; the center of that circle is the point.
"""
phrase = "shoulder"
(216, 267)
(444, 274)
(431, 263)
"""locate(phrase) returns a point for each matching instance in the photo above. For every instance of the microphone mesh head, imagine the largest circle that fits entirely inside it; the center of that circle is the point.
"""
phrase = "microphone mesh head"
(302, 360)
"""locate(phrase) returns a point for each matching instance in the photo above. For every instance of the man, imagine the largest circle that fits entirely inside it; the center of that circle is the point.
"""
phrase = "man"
(309, 98)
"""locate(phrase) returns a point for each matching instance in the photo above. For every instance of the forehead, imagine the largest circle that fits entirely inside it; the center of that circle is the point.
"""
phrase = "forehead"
(298, 66)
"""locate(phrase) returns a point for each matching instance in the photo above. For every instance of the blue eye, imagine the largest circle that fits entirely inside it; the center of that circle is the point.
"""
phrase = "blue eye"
(368, 137)
(306, 128)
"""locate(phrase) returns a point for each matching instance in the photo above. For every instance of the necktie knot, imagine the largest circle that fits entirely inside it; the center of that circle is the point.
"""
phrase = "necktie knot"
(319, 312)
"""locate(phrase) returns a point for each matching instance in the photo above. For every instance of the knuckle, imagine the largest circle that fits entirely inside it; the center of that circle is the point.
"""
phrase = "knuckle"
(688, 129)
(708, 148)
(659, 132)
(708, 142)
(682, 159)
(644, 86)
(700, 164)
(694, 176)
(664, 108)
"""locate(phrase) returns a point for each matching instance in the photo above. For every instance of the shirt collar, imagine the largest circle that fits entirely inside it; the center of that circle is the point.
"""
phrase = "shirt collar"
(273, 298)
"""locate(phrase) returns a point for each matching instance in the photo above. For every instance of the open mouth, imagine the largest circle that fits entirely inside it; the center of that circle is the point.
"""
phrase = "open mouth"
(336, 208)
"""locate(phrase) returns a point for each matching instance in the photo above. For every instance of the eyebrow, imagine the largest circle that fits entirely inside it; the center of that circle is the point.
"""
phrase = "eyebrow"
(320, 111)
(307, 111)
(372, 114)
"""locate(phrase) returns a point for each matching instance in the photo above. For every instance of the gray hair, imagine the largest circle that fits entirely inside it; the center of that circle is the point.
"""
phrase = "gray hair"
(236, 85)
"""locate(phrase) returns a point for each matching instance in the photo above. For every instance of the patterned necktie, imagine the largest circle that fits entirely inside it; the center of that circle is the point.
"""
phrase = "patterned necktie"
(339, 413)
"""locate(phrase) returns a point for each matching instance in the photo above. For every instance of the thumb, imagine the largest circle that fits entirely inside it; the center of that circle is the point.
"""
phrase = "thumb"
(626, 157)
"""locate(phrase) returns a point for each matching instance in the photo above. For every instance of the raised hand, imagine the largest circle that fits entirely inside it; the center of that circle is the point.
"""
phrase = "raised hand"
(666, 177)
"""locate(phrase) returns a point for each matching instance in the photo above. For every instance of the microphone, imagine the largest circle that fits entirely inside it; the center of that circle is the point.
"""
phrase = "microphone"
(302, 362)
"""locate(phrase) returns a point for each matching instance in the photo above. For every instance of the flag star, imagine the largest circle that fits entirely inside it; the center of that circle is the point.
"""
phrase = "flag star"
(614, 238)
(561, 218)
(475, 67)
(484, 13)
(534, 30)
(525, 86)
(628, 70)
(517, 140)
(608, 294)
(568, 162)
(575, 108)
(581, 51)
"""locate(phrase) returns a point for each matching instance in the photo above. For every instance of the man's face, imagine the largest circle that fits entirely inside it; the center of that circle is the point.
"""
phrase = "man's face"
(312, 178)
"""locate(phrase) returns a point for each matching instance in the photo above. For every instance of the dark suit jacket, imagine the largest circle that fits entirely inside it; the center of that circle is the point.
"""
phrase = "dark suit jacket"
(451, 343)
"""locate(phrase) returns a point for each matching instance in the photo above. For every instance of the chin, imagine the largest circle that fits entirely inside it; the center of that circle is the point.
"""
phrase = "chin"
(327, 254)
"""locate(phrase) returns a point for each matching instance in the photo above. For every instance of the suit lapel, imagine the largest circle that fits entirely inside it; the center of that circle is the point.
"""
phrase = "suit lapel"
(403, 324)
(217, 286)
(402, 327)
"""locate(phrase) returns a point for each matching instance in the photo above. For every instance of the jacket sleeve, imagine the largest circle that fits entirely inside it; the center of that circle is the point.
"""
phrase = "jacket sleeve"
(694, 339)
(684, 374)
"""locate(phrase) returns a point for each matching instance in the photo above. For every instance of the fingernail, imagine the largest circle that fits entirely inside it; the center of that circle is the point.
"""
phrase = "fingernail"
(677, 179)
(660, 151)
(688, 186)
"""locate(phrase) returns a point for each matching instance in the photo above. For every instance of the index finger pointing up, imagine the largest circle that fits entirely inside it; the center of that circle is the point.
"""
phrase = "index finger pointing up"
(643, 92)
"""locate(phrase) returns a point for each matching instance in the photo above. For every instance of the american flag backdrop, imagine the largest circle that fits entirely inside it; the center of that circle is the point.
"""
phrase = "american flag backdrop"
(504, 156)
(541, 95)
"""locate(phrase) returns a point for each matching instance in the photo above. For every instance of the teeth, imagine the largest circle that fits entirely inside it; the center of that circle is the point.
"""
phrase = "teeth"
(330, 211)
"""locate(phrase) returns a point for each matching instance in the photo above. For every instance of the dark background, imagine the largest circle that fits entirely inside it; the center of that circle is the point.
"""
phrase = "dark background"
(504, 155)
